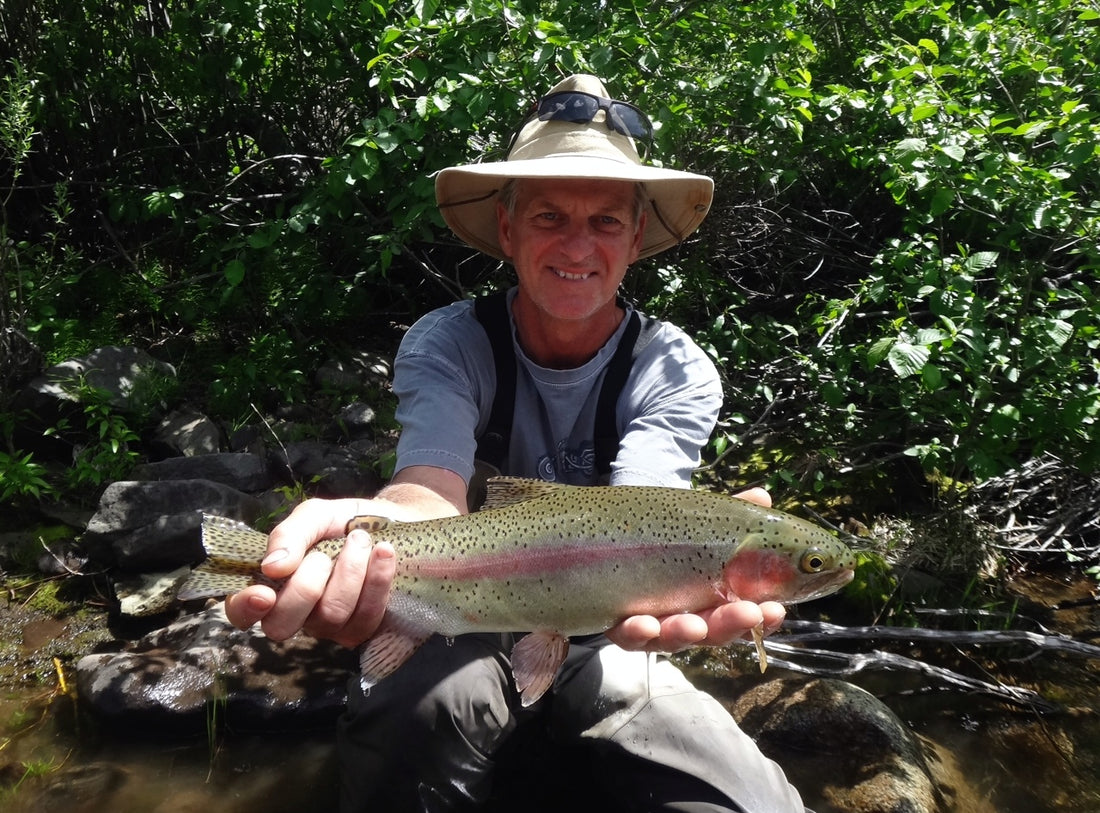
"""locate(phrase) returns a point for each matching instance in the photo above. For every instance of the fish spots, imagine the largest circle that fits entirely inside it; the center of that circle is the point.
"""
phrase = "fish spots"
(528, 562)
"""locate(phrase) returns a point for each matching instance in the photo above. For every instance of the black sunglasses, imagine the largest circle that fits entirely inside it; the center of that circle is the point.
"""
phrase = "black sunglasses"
(579, 107)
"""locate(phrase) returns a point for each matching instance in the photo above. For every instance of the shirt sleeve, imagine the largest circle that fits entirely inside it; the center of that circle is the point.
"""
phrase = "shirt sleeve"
(667, 412)
(443, 378)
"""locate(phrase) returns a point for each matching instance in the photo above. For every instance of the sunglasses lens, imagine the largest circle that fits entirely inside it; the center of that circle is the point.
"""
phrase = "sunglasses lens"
(571, 107)
(576, 107)
(629, 121)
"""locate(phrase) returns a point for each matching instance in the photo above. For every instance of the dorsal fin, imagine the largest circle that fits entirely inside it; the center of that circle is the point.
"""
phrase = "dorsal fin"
(504, 491)
(371, 523)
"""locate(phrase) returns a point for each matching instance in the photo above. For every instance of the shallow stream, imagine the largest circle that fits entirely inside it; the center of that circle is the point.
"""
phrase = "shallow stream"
(1007, 759)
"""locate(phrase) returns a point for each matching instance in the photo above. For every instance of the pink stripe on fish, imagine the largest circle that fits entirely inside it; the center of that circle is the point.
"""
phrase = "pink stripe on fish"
(536, 561)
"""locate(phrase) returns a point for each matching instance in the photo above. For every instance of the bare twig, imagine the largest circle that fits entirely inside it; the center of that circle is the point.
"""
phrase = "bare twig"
(815, 631)
(838, 664)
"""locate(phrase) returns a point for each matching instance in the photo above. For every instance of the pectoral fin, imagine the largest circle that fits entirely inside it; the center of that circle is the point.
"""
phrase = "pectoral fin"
(535, 661)
(758, 639)
(393, 644)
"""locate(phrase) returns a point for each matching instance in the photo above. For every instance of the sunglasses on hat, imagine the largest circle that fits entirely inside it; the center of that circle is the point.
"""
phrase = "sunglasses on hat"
(578, 107)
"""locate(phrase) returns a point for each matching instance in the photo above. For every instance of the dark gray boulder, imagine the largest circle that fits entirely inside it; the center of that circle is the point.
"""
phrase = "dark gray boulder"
(842, 747)
(173, 676)
(151, 526)
(242, 471)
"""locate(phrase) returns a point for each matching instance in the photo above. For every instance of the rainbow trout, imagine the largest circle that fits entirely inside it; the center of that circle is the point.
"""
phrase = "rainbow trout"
(560, 561)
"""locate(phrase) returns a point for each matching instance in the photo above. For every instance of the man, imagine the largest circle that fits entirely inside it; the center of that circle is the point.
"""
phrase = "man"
(571, 208)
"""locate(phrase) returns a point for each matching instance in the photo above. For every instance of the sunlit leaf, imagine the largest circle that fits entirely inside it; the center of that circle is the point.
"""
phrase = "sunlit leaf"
(908, 359)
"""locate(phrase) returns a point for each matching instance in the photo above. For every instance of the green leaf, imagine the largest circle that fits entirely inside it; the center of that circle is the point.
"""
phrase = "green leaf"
(931, 377)
(879, 350)
(910, 148)
(425, 9)
(234, 273)
(941, 201)
(980, 261)
(1058, 331)
(924, 111)
(930, 46)
(931, 335)
(908, 359)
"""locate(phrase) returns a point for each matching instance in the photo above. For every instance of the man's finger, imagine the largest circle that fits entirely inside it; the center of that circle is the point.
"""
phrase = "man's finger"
(341, 593)
(250, 605)
(298, 597)
(373, 597)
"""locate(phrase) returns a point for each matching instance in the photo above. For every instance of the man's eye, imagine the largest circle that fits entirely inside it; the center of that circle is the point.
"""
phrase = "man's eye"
(608, 223)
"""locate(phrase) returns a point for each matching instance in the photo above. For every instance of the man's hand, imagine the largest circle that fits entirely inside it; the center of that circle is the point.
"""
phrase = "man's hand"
(715, 627)
(343, 600)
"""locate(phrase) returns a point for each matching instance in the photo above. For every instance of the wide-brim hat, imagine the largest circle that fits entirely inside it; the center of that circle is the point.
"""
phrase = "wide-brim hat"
(467, 195)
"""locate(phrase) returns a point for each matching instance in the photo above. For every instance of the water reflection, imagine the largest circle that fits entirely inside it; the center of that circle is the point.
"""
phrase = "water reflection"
(1008, 759)
(55, 759)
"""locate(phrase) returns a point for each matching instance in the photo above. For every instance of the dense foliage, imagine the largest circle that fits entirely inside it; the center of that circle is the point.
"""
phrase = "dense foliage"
(902, 262)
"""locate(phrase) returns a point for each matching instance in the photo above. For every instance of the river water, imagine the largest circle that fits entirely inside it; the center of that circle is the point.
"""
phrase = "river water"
(1008, 758)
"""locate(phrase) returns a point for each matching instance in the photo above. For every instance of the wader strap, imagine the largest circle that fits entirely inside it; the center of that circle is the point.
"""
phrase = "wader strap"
(492, 446)
(492, 312)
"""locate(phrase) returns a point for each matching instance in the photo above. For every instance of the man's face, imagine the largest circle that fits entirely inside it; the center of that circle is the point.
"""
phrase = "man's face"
(571, 242)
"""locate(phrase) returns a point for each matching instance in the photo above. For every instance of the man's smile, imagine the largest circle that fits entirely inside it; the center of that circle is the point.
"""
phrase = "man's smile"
(569, 276)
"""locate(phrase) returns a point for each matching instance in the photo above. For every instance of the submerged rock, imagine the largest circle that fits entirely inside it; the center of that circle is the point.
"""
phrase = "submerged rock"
(846, 750)
(75, 788)
(175, 675)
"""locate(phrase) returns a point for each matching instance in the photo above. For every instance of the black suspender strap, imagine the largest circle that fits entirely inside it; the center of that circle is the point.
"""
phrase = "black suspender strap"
(635, 337)
(492, 446)
(606, 436)
(492, 312)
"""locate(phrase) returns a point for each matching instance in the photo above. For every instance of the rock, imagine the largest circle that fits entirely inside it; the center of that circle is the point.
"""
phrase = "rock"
(354, 374)
(173, 675)
(841, 746)
(154, 526)
(248, 439)
(244, 472)
(77, 787)
(331, 471)
(187, 432)
(61, 558)
(338, 375)
(356, 418)
(149, 593)
(125, 376)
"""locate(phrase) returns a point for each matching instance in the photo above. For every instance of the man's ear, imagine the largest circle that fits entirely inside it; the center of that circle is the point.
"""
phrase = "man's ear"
(639, 237)
(504, 230)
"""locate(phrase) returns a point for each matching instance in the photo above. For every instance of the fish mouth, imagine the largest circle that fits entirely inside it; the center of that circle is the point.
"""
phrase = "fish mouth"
(820, 585)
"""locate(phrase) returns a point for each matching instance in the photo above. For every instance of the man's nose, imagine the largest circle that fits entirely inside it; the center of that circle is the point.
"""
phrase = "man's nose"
(578, 240)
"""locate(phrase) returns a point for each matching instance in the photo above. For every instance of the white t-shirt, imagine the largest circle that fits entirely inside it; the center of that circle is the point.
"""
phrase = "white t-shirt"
(445, 380)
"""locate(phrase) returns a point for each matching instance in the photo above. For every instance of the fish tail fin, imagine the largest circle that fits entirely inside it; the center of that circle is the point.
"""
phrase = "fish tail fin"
(206, 582)
(233, 552)
(228, 540)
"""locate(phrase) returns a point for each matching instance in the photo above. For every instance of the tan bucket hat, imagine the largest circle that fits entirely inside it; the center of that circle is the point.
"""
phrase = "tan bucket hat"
(467, 195)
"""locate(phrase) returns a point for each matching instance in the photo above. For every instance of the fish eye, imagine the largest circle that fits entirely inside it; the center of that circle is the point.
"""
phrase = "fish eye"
(813, 561)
